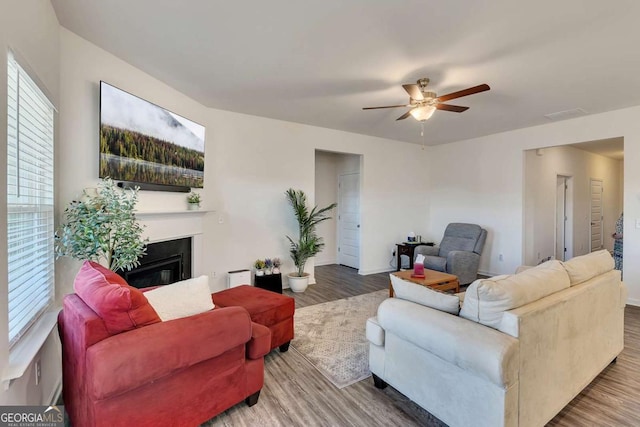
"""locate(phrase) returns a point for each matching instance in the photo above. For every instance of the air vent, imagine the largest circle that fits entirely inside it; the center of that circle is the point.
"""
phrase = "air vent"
(567, 114)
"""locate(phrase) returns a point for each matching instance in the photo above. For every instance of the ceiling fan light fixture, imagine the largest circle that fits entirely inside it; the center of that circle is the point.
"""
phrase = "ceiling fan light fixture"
(423, 113)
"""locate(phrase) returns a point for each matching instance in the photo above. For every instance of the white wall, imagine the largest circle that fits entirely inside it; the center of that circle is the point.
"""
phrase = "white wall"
(481, 180)
(541, 169)
(82, 66)
(30, 28)
(250, 162)
(327, 193)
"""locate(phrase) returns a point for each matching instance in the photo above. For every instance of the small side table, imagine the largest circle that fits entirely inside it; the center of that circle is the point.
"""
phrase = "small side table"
(407, 248)
(270, 282)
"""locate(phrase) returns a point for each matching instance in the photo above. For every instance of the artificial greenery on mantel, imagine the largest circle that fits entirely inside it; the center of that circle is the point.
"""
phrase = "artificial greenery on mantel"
(103, 227)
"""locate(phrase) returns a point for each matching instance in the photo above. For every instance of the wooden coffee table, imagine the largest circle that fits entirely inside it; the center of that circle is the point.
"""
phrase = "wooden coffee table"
(432, 279)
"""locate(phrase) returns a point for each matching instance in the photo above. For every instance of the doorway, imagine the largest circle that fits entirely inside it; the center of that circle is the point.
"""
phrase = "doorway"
(596, 218)
(337, 179)
(564, 218)
(558, 216)
(349, 220)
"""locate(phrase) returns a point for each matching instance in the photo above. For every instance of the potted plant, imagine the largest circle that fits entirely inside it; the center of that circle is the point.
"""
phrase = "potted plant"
(276, 265)
(268, 266)
(309, 244)
(102, 226)
(259, 266)
(193, 200)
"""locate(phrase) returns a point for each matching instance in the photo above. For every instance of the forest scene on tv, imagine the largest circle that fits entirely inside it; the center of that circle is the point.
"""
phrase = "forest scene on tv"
(142, 142)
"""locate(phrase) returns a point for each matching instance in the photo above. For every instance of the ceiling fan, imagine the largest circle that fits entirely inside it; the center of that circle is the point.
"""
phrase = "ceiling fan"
(424, 102)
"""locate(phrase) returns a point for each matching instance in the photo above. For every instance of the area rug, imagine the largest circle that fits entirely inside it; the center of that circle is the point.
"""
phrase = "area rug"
(331, 336)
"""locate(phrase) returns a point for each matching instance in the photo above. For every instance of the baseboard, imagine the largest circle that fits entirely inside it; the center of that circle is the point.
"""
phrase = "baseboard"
(325, 262)
(375, 271)
(57, 392)
(633, 301)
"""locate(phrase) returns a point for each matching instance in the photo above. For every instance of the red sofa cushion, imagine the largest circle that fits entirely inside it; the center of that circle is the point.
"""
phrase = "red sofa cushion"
(265, 307)
(121, 307)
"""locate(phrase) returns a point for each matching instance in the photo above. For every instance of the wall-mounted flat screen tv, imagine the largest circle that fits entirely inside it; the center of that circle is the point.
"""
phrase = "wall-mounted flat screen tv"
(142, 142)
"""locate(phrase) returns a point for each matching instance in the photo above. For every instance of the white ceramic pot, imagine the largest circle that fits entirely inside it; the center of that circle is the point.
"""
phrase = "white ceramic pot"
(298, 284)
(259, 272)
(193, 206)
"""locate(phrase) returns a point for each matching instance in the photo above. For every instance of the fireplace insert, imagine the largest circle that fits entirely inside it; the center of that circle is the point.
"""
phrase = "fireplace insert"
(165, 263)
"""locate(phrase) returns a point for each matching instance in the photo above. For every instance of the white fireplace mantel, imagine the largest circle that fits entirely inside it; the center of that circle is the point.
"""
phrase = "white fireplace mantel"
(167, 225)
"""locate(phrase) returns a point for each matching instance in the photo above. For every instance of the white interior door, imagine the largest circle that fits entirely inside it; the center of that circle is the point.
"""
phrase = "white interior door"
(349, 220)
(596, 215)
(561, 218)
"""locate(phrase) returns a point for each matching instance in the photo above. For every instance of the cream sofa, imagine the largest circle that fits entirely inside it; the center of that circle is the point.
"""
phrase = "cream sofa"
(522, 347)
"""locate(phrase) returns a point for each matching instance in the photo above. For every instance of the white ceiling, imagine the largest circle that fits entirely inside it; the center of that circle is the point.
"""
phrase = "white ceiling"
(612, 147)
(320, 62)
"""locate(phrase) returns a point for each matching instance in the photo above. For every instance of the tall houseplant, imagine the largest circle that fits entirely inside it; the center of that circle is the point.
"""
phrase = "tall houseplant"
(309, 244)
(103, 226)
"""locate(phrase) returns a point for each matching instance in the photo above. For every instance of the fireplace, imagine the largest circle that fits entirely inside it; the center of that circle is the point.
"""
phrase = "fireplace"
(165, 262)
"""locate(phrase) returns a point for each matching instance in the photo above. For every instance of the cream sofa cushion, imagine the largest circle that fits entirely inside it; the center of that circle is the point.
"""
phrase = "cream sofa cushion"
(181, 299)
(422, 295)
(585, 267)
(487, 299)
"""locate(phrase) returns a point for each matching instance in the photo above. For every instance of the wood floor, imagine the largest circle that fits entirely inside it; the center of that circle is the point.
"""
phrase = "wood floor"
(295, 394)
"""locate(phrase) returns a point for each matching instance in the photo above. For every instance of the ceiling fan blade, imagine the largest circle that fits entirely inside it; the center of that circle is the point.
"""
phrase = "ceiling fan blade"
(405, 115)
(465, 92)
(414, 91)
(388, 106)
(449, 107)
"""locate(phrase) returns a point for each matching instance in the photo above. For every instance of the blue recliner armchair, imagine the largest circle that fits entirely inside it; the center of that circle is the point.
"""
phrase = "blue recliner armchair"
(458, 253)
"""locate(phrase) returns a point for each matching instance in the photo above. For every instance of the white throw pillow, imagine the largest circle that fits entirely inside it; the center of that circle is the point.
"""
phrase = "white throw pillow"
(585, 267)
(181, 299)
(422, 295)
(487, 299)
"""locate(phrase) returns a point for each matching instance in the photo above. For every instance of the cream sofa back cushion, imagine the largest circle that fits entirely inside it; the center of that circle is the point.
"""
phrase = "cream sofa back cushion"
(585, 267)
(487, 299)
(423, 295)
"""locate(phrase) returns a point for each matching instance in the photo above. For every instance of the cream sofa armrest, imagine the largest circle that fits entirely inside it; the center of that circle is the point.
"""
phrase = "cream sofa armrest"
(484, 351)
(510, 324)
(375, 333)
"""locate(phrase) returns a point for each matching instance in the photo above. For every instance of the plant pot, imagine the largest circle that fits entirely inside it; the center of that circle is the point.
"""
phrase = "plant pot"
(259, 272)
(297, 283)
(193, 206)
(276, 270)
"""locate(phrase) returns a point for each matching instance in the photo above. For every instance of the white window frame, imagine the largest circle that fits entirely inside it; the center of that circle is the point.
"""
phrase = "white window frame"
(30, 198)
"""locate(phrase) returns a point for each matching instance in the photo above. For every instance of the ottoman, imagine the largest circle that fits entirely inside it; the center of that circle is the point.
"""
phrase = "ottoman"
(275, 311)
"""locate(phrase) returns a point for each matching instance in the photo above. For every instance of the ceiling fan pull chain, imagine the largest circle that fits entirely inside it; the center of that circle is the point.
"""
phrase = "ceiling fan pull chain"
(422, 134)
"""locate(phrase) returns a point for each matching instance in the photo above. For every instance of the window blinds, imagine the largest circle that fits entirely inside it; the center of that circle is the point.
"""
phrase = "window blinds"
(30, 197)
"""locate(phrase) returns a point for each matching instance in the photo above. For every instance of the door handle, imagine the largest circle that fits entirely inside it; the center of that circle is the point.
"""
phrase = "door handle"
(358, 225)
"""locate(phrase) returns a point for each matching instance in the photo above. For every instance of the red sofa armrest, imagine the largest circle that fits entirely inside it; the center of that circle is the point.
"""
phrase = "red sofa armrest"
(128, 360)
(260, 343)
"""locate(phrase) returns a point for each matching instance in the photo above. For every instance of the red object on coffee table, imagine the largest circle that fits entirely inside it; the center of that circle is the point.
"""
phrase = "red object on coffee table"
(418, 270)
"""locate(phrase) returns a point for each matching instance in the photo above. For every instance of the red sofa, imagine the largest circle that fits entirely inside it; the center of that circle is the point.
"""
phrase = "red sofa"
(176, 373)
